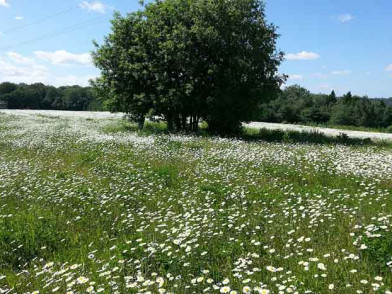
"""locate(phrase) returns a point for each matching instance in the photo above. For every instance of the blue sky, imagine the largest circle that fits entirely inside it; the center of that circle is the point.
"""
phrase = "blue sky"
(343, 45)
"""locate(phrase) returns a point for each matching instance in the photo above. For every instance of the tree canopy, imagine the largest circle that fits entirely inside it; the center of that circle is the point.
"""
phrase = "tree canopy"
(191, 60)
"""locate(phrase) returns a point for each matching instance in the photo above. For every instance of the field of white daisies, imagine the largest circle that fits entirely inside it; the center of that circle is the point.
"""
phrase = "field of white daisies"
(88, 206)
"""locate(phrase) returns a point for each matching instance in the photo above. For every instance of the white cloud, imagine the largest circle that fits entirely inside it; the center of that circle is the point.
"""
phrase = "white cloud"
(19, 17)
(341, 72)
(96, 6)
(346, 17)
(17, 68)
(62, 57)
(72, 80)
(20, 59)
(18, 71)
(304, 55)
(296, 77)
(4, 3)
(320, 75)
(389, 68)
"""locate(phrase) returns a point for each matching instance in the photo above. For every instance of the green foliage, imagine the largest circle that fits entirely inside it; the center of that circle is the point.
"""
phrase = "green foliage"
(302, 137)
(295, 104)
(7, 88)
(189, 61)
(379, 249)
(167, 172)
(34, 232)
(40, 96)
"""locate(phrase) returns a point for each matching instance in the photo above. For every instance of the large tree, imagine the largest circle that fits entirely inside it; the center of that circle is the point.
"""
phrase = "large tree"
(189, 60)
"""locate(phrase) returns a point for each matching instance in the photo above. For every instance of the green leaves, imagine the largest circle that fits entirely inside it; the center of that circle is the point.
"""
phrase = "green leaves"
(192, 60)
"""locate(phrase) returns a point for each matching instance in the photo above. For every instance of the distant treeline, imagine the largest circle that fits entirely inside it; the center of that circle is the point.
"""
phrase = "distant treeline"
(294, 104)
(40, 96)
(297, 105)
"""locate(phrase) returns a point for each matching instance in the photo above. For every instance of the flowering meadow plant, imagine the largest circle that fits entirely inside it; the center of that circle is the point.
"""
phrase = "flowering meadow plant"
(86, 207)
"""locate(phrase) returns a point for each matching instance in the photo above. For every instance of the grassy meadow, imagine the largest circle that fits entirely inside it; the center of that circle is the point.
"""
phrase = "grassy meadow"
(89, 205)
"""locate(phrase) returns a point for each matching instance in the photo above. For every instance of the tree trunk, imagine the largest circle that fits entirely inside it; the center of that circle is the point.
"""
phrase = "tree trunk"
(196, 124)
(140, 123)
(191, 123)
(170, 125)
(178, 123)
(183, 121)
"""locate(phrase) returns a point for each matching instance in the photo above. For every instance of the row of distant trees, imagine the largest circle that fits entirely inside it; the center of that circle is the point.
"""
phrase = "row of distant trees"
(40, 96)
(296, 104)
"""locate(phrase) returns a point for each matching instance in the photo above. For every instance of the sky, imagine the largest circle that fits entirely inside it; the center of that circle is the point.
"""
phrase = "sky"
(330, 45)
